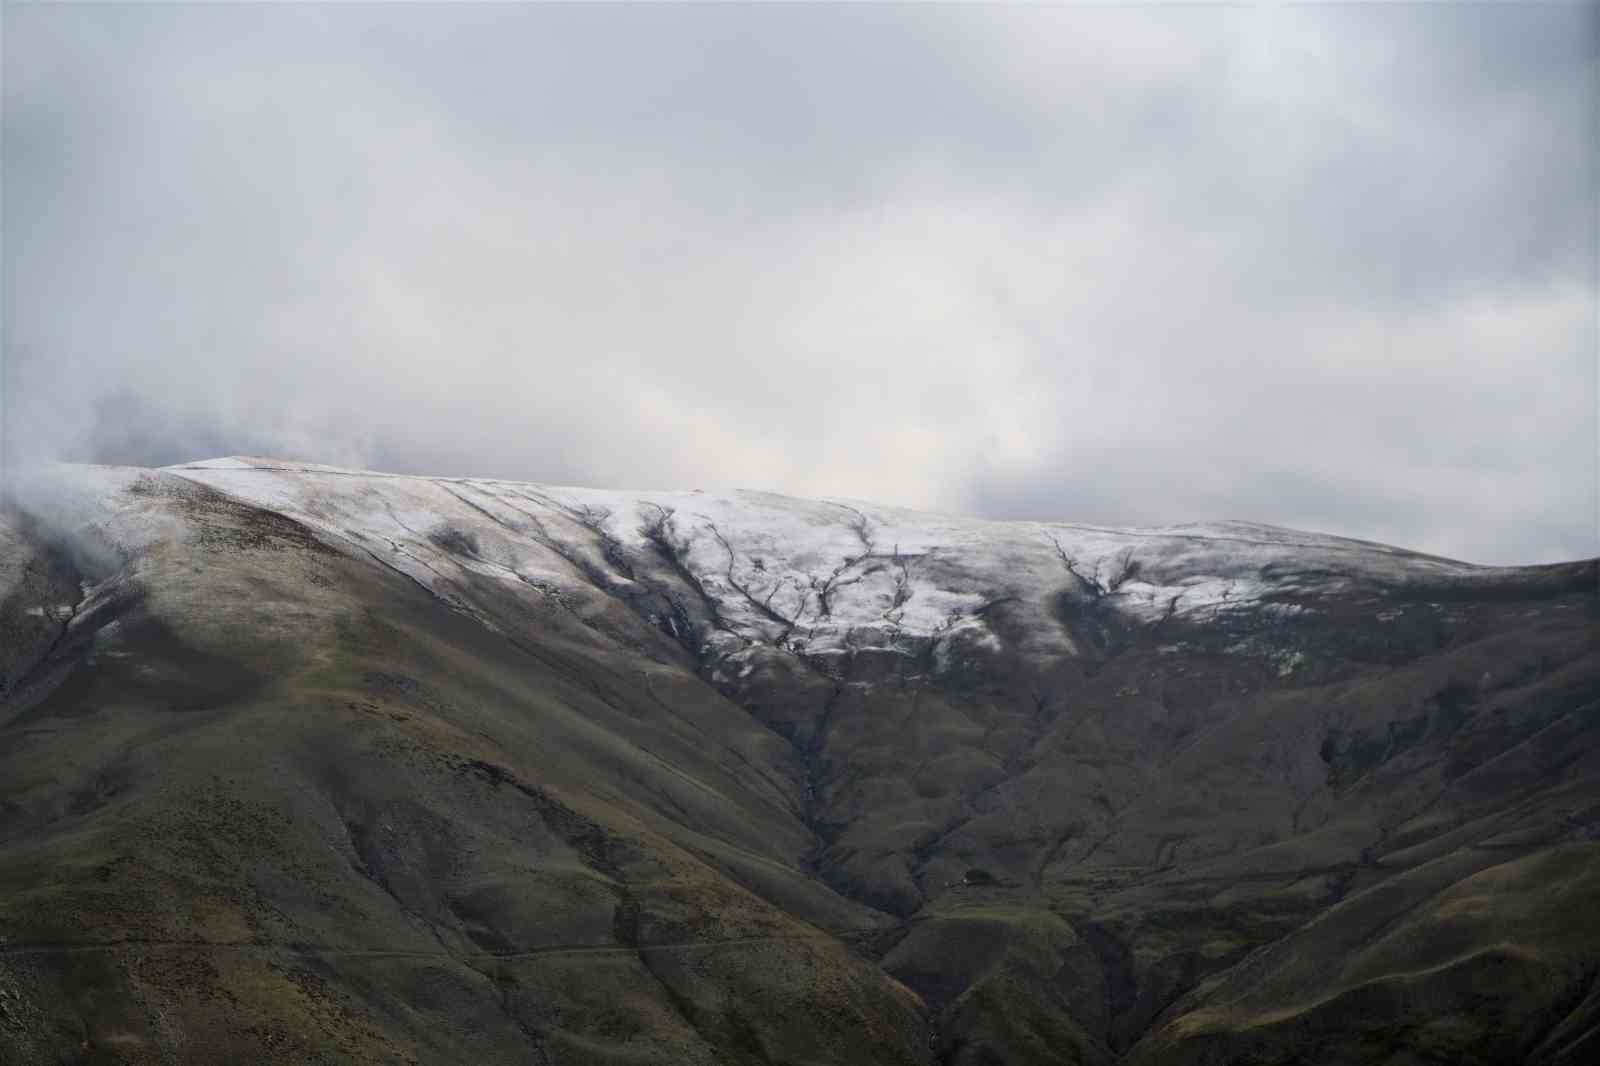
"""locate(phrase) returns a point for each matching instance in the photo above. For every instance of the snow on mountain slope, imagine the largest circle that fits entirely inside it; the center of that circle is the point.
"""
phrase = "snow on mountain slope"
(818, 577)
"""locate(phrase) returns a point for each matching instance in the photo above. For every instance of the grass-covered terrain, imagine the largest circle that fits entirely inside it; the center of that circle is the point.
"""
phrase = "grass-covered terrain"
(276, 787)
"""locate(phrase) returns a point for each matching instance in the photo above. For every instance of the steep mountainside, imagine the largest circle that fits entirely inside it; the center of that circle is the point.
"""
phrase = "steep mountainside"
(309, 765)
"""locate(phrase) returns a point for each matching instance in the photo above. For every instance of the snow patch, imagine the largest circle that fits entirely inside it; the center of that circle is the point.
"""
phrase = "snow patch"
(829, 578)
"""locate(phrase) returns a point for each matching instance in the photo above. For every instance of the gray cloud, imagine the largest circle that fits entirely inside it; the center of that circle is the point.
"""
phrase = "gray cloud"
(1331, 267)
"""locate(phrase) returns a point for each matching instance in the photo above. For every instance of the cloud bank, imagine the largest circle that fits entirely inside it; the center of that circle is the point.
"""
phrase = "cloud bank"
(1330, 267)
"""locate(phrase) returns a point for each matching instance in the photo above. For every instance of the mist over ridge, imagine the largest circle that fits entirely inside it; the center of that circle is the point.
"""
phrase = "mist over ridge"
(1327, 268)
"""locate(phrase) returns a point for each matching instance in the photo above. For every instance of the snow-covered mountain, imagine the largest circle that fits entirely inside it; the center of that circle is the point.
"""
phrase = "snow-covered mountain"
(411, 769)
(821, 578)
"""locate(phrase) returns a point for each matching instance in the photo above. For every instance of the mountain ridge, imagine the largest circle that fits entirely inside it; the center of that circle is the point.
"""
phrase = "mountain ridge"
(482, 716)
(249, 462)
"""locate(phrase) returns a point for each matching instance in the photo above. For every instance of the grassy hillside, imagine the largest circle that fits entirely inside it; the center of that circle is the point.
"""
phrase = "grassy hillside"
(267, 796)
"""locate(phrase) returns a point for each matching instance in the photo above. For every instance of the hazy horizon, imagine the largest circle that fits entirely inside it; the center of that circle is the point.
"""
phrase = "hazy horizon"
(1328, 267)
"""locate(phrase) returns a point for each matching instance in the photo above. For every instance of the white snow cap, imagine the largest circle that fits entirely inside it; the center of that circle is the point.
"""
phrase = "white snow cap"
(816, 576)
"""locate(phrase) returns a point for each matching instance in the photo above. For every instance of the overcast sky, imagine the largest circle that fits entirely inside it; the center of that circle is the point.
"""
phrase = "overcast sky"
(1327, 267)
